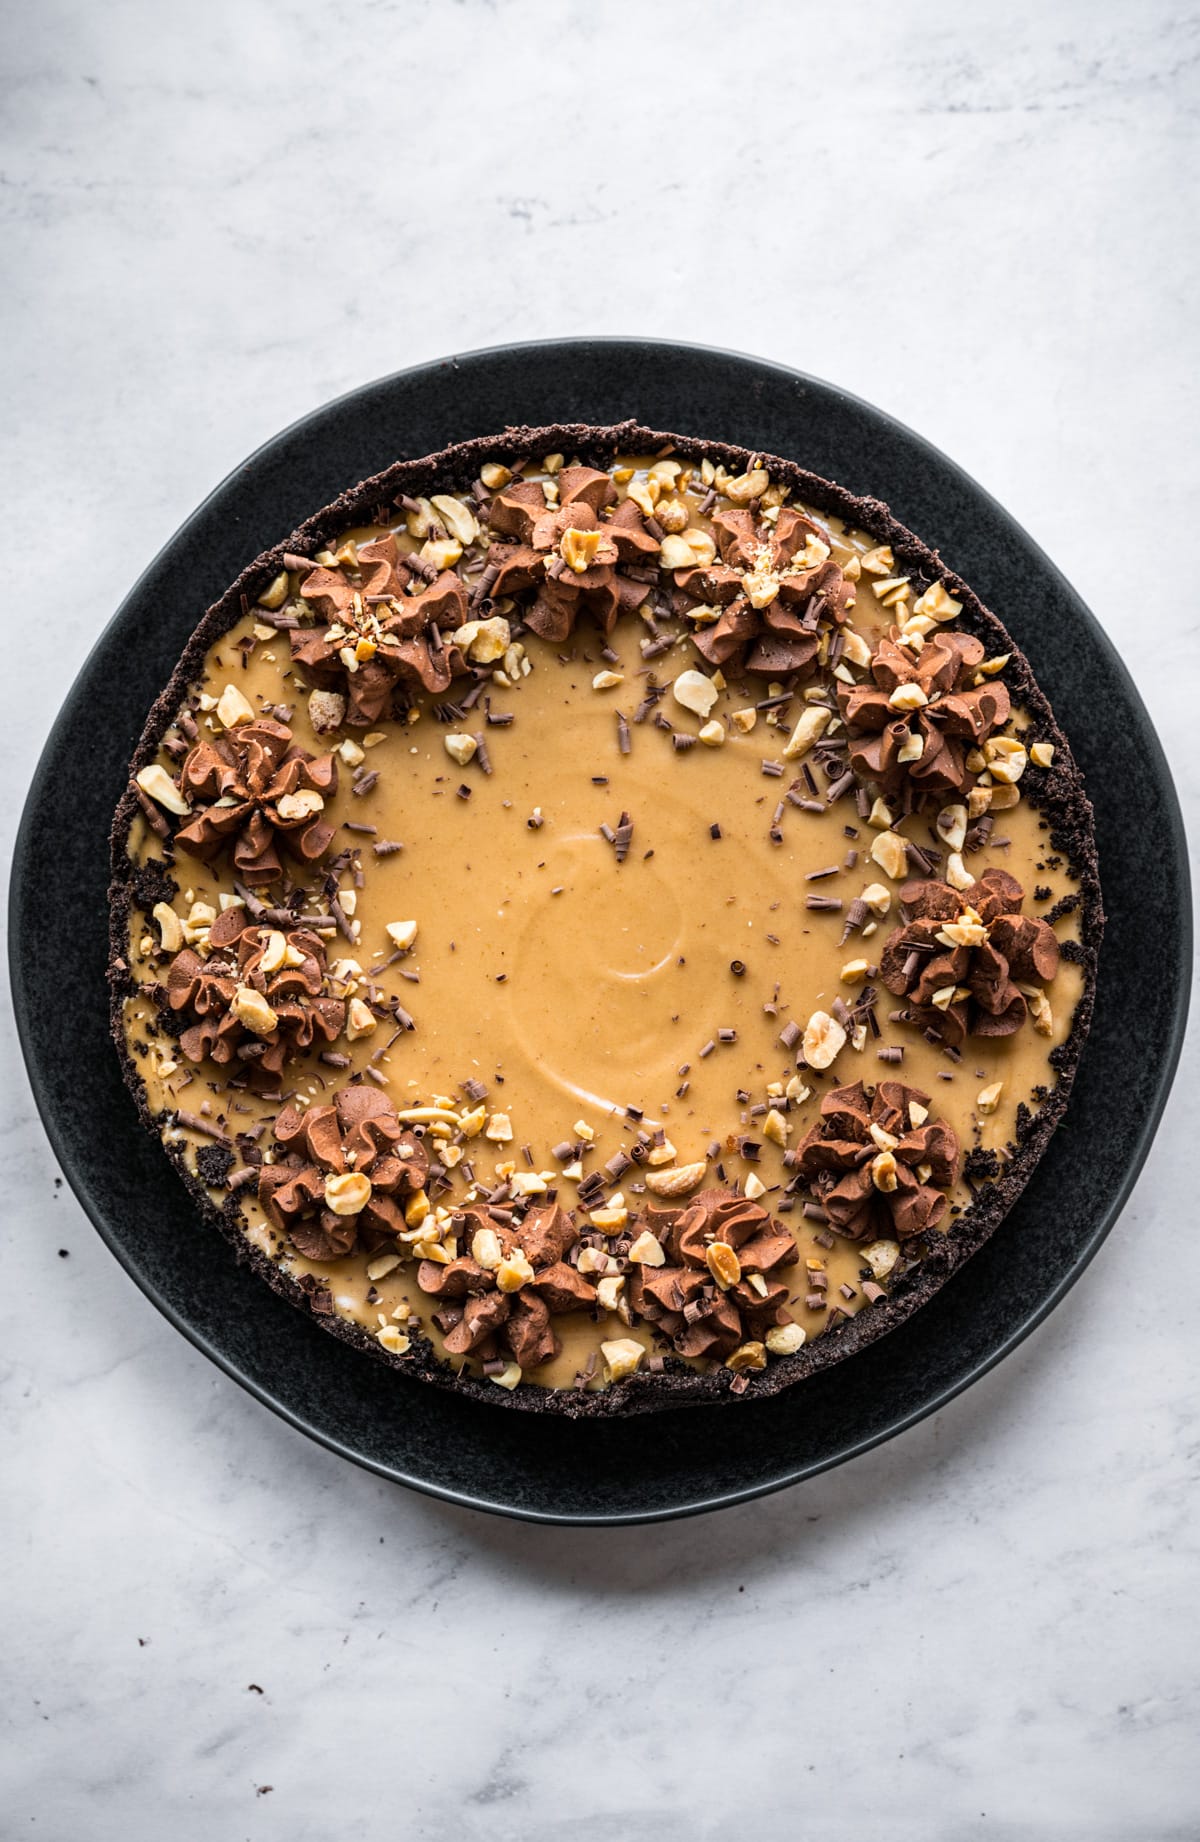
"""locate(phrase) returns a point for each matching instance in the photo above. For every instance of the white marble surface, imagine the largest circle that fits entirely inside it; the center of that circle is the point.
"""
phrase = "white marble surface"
(217, 217)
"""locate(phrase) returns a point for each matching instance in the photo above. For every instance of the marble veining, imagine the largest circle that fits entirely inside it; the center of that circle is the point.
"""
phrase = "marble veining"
(214, 219)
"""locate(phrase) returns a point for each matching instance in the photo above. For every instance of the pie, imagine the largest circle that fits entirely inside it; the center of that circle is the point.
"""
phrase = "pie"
(603, 920)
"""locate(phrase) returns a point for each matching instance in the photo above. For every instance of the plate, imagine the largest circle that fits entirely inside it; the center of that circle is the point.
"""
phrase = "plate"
(677, 1463)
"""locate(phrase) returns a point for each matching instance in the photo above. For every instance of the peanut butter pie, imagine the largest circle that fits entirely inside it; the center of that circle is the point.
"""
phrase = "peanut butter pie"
(603, 920)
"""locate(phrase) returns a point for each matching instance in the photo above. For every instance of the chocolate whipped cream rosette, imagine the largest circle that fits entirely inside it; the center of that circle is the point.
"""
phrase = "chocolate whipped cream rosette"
(603, 920)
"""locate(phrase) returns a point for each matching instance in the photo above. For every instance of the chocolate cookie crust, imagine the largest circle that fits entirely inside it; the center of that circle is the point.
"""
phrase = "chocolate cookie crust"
(1058, 796)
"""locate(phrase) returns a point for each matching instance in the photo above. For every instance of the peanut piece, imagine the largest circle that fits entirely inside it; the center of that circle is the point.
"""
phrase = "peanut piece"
(252, 1010)
(824, 1038)
(723, 1264)
(157, 783)
(622, 1357)
(677, 1182)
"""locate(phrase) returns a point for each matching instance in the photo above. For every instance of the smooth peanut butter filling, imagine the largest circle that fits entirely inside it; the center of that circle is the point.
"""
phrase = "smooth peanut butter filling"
(602, 939)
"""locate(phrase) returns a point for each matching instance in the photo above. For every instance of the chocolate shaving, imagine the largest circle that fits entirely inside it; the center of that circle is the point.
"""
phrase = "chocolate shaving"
(154, 818)
(196, 1122)
(856, 915)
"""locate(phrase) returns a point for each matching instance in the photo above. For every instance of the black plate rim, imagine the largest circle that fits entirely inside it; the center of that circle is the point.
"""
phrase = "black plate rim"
(77, 1177)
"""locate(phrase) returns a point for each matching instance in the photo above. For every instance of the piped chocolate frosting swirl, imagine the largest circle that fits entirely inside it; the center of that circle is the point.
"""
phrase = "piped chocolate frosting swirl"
(568, 555)
(344, 1175)
(498, 1298)
(255, 791)
(922, 714)
(382, 618)
(966, 961)
(775, 586)
(256, 999)
(877, 1163)
(719, 1286)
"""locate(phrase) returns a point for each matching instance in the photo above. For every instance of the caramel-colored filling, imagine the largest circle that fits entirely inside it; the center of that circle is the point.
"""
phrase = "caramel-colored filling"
(576, 986)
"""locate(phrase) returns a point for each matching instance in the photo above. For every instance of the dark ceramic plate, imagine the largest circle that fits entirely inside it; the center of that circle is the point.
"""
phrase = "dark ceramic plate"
(540, 1467)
